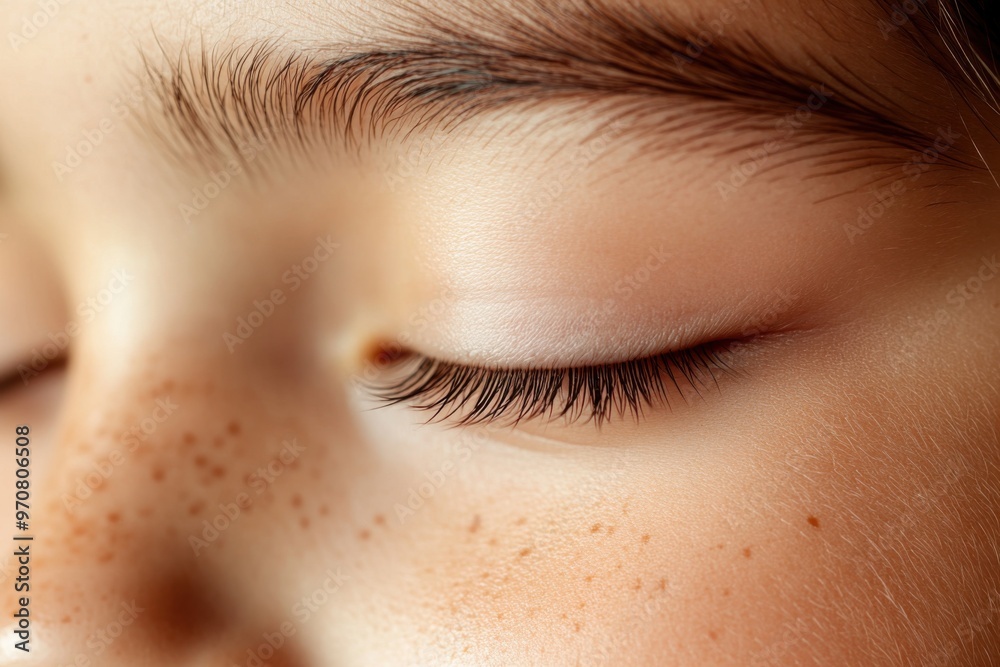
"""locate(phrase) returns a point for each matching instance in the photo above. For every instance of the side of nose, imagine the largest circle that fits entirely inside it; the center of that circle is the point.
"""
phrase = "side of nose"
(152, 505)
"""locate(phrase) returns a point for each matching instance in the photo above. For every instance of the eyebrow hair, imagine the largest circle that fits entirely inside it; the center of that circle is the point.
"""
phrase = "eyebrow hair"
(432, 72)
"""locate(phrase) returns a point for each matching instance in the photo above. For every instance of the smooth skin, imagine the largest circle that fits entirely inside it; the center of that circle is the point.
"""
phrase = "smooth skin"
(833, 504)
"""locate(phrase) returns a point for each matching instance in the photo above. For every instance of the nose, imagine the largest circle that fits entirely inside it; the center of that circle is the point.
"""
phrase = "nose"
(139, 550)
(176, 459)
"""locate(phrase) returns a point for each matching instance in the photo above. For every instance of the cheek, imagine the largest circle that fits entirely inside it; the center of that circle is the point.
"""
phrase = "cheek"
(588, 556)
(821, 541)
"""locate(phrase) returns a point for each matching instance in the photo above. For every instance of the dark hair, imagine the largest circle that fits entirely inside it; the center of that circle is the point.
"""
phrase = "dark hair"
(960, 37)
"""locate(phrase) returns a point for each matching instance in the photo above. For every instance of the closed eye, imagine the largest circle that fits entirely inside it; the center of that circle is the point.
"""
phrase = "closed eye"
(465, 394)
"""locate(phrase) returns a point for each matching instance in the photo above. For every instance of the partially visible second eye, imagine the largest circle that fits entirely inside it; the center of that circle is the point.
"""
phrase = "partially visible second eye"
(465, 394)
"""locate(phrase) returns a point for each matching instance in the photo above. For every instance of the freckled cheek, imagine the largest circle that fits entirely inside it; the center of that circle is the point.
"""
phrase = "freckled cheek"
(577, 568)
(635, 562)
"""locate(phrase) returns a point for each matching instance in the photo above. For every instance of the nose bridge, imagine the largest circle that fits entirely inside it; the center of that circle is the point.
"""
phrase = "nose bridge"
(179, 396)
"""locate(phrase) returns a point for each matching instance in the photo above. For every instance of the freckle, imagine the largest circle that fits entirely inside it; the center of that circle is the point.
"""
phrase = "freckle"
(234, 428)
(106, 557)
(813, 521)
(486, 575)
(645, 539)
(524, 552)
(492, 542)
(589, 578)
(583, 605)
(611, 530)
(200, 461)
(521, 521)
(189, 438)
(500, 616)
(713, 635)
(746, 552)
(158, 474)
(619, 566)
(218, 472)
(726, 592)
(379, 519)
(563, 615)
(595, 528)
(114, 517)
(80, 530)
(637, 586)
(67, 619)
(364, 534)
(474, 526)
(720, 546)
(663, 584)
(296, 500)
(304, 522)
(196, 508)
(167, 385)
(324, 511)
(576, 627)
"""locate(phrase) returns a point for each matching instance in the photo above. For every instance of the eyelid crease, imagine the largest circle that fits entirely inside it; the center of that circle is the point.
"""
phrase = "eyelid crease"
(467, 395)
(10, 378)
(8, 381)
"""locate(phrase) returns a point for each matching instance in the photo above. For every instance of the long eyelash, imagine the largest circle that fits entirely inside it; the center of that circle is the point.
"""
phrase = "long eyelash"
(474, 395)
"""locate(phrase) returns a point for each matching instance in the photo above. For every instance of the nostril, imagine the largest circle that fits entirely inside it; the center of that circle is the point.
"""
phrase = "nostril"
(183, 609)
(192, 621)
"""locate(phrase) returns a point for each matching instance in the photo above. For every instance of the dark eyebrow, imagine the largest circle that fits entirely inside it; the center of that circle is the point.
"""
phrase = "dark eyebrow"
(433, 71)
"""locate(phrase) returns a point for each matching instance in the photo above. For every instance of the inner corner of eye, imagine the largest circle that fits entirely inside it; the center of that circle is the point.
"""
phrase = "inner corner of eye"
(383, 353)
